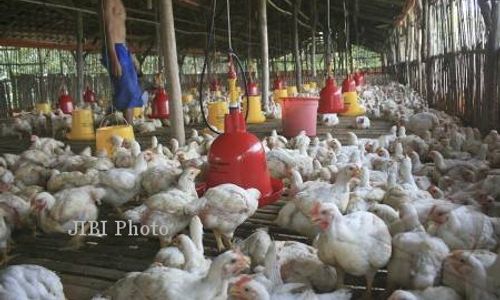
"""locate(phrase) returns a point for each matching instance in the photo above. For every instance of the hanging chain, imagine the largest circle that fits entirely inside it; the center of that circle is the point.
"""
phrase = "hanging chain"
(229, 26)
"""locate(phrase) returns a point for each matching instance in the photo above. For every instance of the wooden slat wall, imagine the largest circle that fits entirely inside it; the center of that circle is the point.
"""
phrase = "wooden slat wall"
(441, 51)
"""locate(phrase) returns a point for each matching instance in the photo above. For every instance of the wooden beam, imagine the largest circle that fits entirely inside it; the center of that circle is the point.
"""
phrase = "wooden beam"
(264, 50)
(167, 32)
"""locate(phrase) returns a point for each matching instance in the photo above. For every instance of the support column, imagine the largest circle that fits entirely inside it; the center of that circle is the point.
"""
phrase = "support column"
(313, 48)
(298, 65)
(492, 72)
(264, 51)
(167, 34)
(79, 59)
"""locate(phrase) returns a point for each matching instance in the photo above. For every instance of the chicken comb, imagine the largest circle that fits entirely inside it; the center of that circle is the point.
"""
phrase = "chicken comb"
(315, 208)
(244, 279)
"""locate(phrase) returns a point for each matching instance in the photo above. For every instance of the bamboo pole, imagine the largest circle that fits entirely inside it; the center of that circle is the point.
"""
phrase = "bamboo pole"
(167, 32)
(264, 51)
(298, 65)
(313, 35)
(79, 58)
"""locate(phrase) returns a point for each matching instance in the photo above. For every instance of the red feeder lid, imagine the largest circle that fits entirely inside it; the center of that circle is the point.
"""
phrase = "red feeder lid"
(279, 84)
(359, 78)
(253, 90)
(89, 95)
(160, 104)
(349, 85)
(238, 157)
(330, 98)
(214, 85)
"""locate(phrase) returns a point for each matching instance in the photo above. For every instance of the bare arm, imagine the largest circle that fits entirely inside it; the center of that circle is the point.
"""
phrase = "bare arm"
(110, 43)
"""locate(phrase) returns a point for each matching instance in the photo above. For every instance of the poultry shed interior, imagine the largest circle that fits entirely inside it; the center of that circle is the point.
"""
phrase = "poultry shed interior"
(249, 149)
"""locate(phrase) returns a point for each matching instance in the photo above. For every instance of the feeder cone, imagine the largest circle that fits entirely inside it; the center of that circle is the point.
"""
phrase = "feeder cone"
(330, 98)
(351, 104)
(255, 114)
(43, 108)
(359, 78)
(65, 101)
(89, 95)
(238, 157)
(159, 107)
(279, 89)
(216, 112)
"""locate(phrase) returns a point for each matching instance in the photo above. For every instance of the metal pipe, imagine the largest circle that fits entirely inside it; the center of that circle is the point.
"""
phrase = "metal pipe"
(264, 51)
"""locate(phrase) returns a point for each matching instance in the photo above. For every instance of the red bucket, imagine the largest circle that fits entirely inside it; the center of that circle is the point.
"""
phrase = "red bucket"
(299, 113)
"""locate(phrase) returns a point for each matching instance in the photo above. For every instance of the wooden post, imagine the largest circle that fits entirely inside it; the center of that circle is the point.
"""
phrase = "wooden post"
(167, 33)
(492, 71)
(264, 51)
(313, 34)
(328, 40)
(79, 58)
(298, 65)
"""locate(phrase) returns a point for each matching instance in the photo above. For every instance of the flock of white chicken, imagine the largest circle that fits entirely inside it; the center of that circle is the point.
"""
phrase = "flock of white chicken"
(420, 205)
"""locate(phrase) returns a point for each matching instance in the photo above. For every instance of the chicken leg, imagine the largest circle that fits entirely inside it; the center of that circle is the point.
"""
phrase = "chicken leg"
(77, 241)
(228, 241)
(370, 276)
(340, 277)
(218, 239)
(5, 256)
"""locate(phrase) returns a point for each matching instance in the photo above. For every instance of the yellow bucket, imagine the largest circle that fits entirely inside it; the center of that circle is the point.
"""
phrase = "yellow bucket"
(351, 104)
(138, 112)
(187, 98)
(82, 125)
(104, 134)
(278, 94)
(216, 112)
(292, 91)
(306, 87)
(42, 108)
(255, 114)
(313, 85)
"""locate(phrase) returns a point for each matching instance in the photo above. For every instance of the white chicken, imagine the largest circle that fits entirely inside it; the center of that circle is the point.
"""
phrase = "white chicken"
(462, 228)
(416, 260)
(122, 185)
(61, 212)
(358, 243)
(472, 272)
(161, 283)
(430, 293)
(189, 255)
(227, 207)
(172, 209)
(361, 122)
(30, 282)
(159, 178)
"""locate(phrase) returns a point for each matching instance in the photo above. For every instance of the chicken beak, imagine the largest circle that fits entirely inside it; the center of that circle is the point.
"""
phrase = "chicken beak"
(357, 172)
(245, 262)
(235, 292)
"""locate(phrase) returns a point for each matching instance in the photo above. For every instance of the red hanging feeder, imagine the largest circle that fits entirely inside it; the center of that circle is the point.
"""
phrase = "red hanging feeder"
(238, 157)
(330, 98)
(279, 84)
(349, 85)
(65, 102)
(160, 104)
(89, 95)
(214, 85)
(359, 78)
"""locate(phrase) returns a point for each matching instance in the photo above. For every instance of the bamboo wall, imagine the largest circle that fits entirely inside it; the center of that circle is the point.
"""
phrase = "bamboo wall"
(447, 51)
